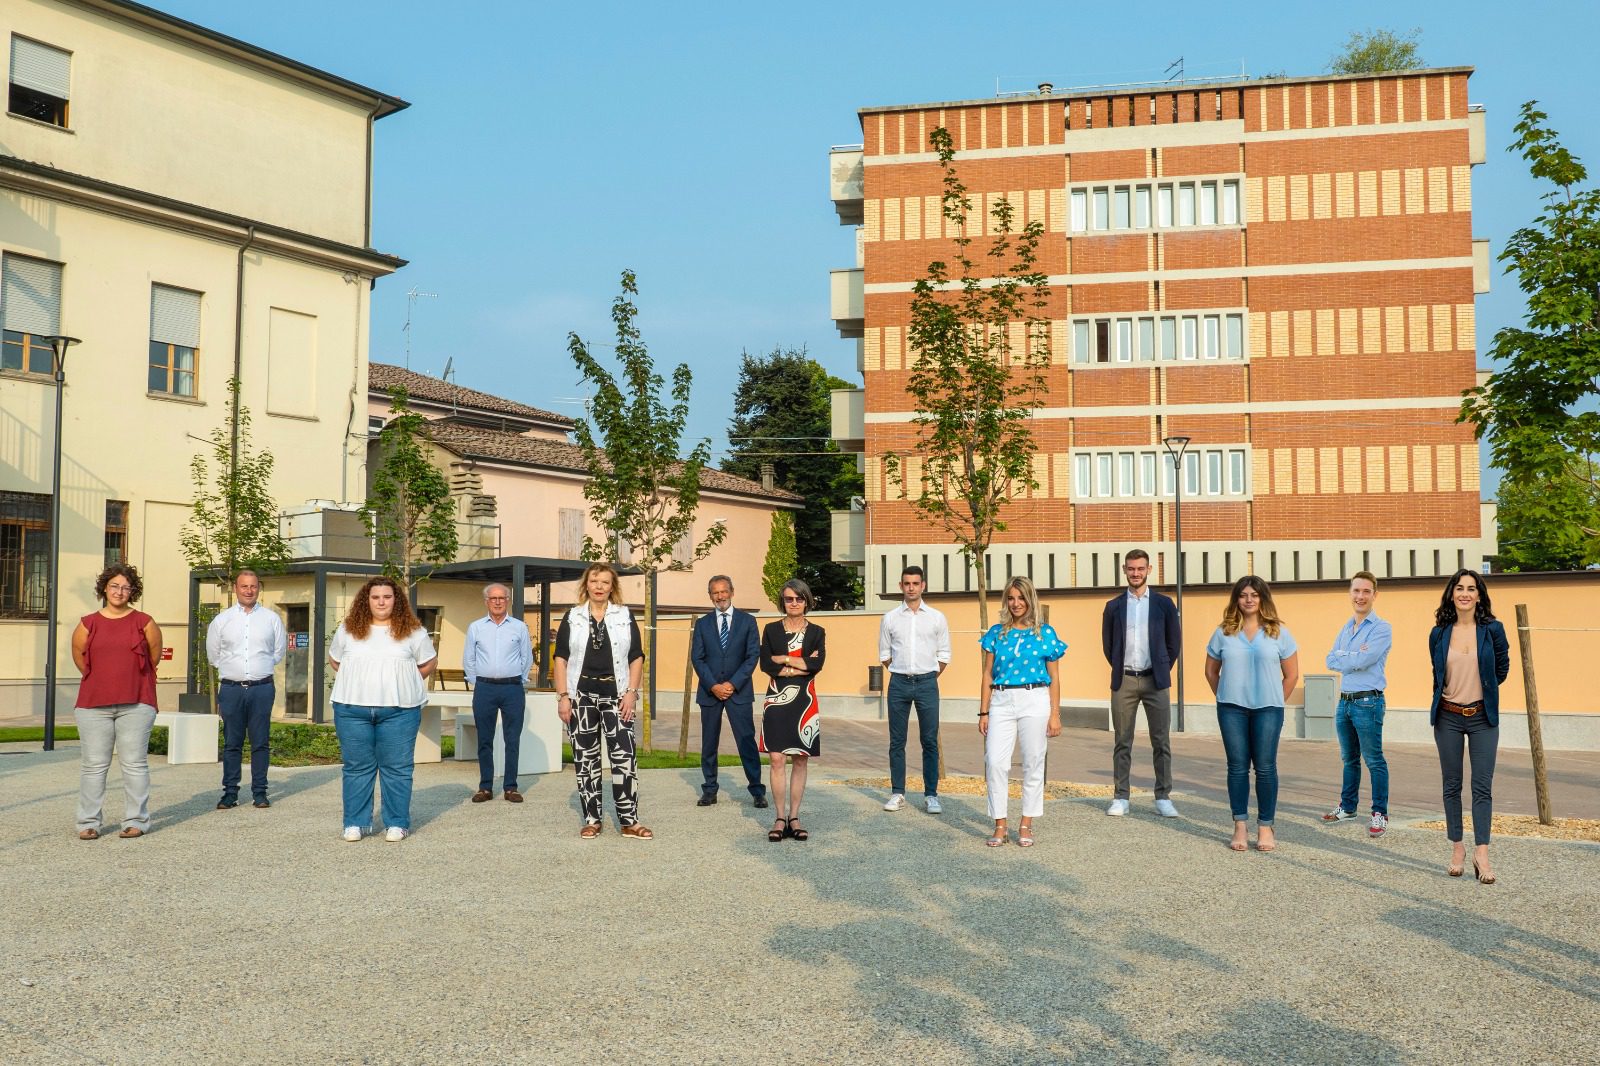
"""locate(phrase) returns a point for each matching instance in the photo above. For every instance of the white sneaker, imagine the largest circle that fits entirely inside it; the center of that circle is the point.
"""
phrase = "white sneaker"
(1118, 808)
(896, 802)
(352, 832)
(394, 833)
(933, 805)
(1166, 809)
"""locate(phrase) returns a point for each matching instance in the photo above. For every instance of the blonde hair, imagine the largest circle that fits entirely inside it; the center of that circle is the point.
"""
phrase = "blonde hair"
(1030, 597)
(1233, 618)
(599, 568)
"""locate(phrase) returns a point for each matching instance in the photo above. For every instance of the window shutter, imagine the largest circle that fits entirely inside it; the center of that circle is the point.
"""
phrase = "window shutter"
(30, 296)
(40, 68)
(174, 316)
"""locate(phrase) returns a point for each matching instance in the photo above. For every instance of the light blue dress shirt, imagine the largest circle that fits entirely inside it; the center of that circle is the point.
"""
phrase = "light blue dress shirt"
(1360, 652)
(1252, 670)
(504, 650)
(1022, 656)
(1136, 639)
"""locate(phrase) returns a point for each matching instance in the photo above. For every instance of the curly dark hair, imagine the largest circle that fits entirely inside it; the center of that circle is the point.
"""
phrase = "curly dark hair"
(123, 570)
(1446, 614)
(358, 621)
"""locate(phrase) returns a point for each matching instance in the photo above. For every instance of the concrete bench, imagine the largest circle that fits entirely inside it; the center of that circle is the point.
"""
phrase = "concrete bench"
(191, 738)
(540, 752)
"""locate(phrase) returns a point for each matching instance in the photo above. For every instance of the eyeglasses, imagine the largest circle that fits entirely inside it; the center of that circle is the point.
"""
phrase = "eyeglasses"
(793, 599)
(497, 599)
(119, 588)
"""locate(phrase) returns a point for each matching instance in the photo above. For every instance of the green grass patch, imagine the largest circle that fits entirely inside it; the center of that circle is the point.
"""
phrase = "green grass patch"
(23, 734)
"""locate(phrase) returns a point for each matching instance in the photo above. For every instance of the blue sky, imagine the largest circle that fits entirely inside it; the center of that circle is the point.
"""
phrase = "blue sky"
(549, 146)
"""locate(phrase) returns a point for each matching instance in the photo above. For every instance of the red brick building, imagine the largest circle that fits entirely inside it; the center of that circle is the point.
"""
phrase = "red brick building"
(1282, 271)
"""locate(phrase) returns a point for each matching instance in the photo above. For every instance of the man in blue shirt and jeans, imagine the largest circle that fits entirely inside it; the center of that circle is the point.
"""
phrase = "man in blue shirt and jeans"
(1359, 654)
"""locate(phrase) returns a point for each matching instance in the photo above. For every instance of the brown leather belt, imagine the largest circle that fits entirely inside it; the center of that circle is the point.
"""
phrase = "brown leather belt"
(1465, 710)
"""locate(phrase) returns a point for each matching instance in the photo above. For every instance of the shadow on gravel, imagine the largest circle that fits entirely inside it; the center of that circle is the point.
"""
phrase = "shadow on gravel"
(1567, 967)
(1270, 1031)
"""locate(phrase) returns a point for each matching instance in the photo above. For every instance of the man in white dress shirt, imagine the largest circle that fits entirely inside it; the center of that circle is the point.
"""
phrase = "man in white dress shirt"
(245, 643)
(496, 660)
(914, 646)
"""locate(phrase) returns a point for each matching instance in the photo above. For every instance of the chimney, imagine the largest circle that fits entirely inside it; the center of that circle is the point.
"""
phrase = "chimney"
(1045, 88)
(767, 474)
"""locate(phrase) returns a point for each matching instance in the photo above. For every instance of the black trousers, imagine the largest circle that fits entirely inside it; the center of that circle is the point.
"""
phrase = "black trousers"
(1452, 733)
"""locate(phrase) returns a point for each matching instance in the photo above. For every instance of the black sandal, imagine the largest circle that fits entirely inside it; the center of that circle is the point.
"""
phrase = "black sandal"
(775, 834)
(796, 832)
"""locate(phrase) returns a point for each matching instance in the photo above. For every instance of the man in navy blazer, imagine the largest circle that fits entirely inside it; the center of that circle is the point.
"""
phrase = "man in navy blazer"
(1142, 638)
(724, 652)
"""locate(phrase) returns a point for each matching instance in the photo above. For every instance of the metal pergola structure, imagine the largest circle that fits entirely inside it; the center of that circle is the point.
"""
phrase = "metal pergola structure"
(516, 572)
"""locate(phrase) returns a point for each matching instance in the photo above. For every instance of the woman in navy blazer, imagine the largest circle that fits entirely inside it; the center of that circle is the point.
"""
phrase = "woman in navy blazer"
(1471, 658)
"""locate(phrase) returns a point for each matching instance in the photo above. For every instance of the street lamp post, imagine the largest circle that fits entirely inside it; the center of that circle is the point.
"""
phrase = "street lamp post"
(1175, 448)
(59, 345)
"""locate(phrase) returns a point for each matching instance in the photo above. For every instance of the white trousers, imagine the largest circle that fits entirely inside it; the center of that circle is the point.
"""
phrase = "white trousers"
(1015, 713)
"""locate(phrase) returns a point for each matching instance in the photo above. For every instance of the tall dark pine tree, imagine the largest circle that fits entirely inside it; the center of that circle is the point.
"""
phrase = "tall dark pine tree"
(782, 415)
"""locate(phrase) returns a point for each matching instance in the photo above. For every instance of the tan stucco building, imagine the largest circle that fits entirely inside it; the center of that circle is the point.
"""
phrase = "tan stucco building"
(193, 208)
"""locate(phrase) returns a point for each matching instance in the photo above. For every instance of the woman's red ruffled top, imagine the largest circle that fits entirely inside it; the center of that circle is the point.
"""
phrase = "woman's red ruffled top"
(118, 669)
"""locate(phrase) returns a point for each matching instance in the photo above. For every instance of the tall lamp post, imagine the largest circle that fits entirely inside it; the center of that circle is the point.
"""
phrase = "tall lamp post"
(59, 345)
(1175, 448)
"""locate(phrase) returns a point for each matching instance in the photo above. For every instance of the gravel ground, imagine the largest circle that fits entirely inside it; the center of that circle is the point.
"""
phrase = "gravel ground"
(496, 935)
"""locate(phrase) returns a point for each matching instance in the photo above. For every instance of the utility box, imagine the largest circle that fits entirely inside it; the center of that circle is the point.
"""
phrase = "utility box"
(874, 679)
(1321, 701)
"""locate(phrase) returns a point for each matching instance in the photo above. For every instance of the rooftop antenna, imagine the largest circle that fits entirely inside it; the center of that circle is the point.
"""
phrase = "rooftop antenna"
(449, 372)
(411, 302)
(1178, 65)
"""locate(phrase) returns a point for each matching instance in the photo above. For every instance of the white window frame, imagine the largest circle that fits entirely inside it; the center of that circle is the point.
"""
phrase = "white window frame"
(1217, 334)
(1206, 201)
(1210, 472)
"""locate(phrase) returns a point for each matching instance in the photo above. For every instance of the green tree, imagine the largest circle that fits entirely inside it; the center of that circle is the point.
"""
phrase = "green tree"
(781, 557)
(980, 345)
(1376, 51)
(410, 513)
(233, 523)
(640, 489)
(783, 415)
(1542, 525)
(1538, 409)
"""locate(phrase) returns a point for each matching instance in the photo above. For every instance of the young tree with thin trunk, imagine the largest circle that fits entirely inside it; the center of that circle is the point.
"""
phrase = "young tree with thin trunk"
(641, 491)
(979, 343)
(782, 557)
(410, 513)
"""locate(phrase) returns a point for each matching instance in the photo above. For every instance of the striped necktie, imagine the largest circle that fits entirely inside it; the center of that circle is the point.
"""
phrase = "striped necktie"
(724, 632)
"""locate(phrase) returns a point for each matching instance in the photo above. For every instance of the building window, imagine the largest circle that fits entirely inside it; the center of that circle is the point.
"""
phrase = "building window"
(1177, 204)
(40, 77)
(1156, 338)
(30, 303)
(174, 340)
(24, 554)
(1147, 474)
(116, 532)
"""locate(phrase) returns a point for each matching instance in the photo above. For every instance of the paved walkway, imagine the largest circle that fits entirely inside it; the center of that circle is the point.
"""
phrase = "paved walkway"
(494, 935)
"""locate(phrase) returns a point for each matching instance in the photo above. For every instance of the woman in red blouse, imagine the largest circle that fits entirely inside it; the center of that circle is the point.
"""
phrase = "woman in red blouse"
(116, 650)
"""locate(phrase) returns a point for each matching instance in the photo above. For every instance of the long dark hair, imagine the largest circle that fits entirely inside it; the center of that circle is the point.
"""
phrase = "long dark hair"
(1233, 618)
(1446, 614)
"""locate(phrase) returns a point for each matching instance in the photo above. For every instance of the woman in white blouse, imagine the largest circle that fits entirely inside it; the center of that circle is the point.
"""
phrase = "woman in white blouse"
(381, 655)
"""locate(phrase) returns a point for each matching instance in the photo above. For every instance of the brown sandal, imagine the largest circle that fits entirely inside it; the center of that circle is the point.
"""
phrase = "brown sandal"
(589, 831)
(88, 834)
(131, 832)
(637, 832)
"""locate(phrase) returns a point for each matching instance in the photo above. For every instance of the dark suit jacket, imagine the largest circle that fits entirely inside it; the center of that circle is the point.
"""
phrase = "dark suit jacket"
(1494, 663)
(1166, 637)
(775, 646)
(713, 665)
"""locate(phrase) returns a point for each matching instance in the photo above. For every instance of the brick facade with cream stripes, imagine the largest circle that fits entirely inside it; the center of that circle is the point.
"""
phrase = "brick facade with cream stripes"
(1282, 271)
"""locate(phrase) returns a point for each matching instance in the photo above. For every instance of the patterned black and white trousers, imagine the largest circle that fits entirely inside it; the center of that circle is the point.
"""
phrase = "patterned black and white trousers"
(593, 718)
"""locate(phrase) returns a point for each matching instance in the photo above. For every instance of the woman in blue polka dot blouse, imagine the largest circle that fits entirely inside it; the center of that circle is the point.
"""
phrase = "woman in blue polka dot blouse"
(1020, 698)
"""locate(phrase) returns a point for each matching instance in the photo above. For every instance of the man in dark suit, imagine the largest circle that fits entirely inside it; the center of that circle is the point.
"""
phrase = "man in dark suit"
(1141, 637)
(724, 652)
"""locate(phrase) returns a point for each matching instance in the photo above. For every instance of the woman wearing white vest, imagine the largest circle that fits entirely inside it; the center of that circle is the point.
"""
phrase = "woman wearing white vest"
(597, 645)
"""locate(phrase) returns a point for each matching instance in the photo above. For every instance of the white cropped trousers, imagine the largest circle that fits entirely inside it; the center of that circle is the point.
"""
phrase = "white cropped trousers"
(1017, 714)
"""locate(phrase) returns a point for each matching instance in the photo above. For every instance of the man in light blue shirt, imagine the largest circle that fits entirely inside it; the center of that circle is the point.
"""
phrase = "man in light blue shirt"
(1359, 654)
(496, 659)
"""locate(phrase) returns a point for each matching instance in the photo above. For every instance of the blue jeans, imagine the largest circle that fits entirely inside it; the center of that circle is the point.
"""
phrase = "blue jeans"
(1250, 737)
(510, 702)
(245, 711)
(922, 690)
(1359, 724)
(378, 743)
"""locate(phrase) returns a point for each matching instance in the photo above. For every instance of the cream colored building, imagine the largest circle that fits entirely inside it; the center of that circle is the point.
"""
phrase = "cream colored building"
(192, 207)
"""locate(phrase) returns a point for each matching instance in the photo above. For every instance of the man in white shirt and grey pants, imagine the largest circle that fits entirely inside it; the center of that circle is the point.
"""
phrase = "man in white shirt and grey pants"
(245, 643)
(914, 646)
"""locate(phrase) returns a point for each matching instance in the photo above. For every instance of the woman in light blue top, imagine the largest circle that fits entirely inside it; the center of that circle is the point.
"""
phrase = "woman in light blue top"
(1021, 696)
(1252, 664)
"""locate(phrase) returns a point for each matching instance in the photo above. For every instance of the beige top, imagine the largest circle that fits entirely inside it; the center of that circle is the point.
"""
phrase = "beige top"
(1462, 682)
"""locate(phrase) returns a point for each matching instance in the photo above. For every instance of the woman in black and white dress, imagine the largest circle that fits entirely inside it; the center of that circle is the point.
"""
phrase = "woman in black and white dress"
(792, 652)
